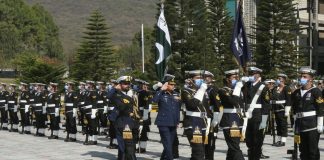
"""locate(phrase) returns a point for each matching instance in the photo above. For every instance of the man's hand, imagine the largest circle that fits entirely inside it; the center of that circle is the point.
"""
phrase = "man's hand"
(165, 86)
(118, 87)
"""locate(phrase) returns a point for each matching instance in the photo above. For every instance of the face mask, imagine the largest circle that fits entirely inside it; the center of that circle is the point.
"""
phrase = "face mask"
(135, 87)
(10, 88)
(86, 87)
(98, 87)
(35, 88)
(109, 87)
(49, 88)
(278, 82)
(66, 87)
(1, 87)
(251, 79)
(198, 82)
(31, 87)
(20, 87)
(234, 81)
(303, 81)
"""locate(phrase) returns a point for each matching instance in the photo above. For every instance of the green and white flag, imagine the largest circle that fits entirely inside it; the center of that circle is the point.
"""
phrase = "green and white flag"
(163, 45)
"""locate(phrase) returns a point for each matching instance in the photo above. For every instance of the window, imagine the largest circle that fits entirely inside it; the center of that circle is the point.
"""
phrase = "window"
(321, 6)
(321, 38)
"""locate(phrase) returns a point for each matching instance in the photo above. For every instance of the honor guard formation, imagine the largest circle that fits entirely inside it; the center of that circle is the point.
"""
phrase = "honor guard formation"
(245, 109)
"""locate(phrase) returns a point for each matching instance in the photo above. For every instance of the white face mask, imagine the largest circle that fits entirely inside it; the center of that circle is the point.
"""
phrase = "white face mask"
(1, 87)
(10, 88)
(49, 88)
(66, 87)
(87, 87)
(98, 87)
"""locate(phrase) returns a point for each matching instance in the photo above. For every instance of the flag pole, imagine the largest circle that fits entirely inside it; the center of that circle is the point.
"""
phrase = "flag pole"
(142, 31)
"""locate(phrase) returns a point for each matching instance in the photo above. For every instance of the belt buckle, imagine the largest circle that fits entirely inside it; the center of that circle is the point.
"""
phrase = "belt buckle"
(203, 114)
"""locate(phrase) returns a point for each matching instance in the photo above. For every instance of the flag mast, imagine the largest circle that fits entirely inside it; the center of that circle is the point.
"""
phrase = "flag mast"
(142, 33)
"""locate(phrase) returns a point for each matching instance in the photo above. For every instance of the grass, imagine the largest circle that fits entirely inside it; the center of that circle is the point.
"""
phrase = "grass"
(7, 80)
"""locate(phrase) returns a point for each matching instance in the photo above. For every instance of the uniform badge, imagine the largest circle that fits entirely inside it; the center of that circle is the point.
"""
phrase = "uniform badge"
(319, 100)
(234, 130)
(197, 136)
(126, 101)
(127, 133)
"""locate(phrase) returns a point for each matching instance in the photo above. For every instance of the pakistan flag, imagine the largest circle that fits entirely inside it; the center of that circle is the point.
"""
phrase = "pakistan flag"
(163, 45)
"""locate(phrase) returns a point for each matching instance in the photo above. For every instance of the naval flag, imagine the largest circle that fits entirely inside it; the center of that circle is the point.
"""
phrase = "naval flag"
(239, 43)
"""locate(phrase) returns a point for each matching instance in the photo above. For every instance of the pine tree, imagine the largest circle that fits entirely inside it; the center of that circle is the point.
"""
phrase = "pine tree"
(275, 36)
(94, 59)
(221, 26)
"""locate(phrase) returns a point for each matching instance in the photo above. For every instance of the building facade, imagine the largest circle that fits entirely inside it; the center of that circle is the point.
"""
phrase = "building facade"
(317, 18)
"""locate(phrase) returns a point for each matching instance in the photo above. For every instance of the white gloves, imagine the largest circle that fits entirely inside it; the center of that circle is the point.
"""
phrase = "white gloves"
(157, 85)
(287, 110)
(15, 108)
(201, 92)
(26, 108)
(245, 79)
(215, 119)
(245, 120)
(74, 112)
(249, 113)
(145, 114)
(237, 89)
(263, 123)
(150, 107)
(93, 113)
(57, 112)
(105, 109)
(44, 110)
(6, 107)
(320, 124)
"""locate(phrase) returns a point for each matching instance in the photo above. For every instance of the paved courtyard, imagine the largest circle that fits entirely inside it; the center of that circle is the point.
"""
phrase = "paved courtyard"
(14, 146)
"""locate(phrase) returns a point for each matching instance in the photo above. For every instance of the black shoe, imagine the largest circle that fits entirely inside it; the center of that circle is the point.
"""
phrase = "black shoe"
(264, 156)
(113, 146)
(40, 135)
(70, 140)
(27, 132)
(103, 134)
(53, 137)
(90, 143)
(140, 150)
(176, 156)
(279, 144)
(15, 130)
(5, 128)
